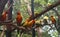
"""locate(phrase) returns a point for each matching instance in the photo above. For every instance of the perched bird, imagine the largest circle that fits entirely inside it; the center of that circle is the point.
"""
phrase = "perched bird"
(53, 20)
(3, 17)
(45, 20)
(18, 20)
(26, 22)
(29, 23)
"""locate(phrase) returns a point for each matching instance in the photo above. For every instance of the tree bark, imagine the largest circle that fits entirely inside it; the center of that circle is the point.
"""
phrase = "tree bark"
(8, 33)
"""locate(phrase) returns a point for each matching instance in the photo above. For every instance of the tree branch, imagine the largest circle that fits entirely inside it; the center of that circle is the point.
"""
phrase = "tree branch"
(47, 9)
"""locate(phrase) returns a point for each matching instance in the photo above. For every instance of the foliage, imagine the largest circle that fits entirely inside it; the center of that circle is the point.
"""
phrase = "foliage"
(38, 7)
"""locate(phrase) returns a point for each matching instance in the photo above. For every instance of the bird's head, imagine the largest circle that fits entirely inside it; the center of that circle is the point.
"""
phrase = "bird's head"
(18, 13)
(4, 12)
(51, 16)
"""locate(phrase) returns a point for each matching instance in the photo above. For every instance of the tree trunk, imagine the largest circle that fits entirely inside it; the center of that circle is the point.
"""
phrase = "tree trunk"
(8, 33)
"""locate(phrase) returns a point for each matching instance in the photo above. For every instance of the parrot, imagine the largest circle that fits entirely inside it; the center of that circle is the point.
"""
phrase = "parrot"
(3, 17)
(29, 23)
(26, 22)
(53, 20)
(18, 20)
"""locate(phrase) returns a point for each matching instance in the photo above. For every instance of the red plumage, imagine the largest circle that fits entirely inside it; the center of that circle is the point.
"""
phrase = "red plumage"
(3, 17)
(19, 17)
(18, 20)
(53, 19)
